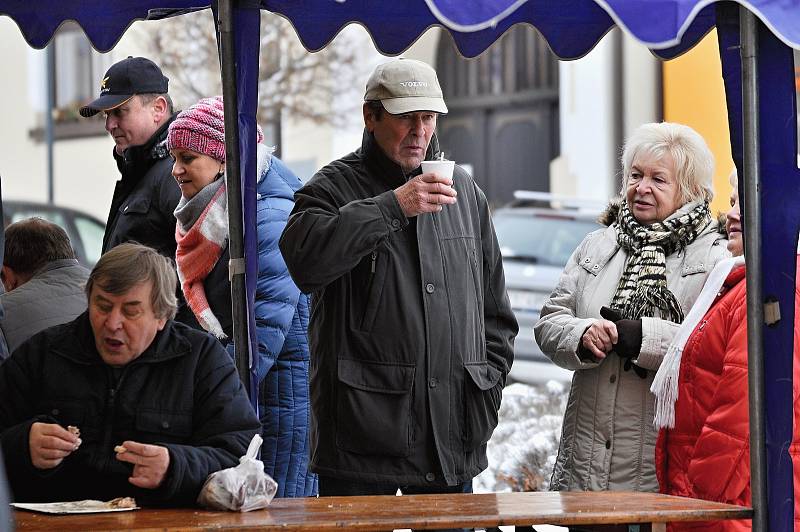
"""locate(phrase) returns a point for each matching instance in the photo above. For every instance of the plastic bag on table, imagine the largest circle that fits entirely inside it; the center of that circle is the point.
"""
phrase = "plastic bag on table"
(242, 488)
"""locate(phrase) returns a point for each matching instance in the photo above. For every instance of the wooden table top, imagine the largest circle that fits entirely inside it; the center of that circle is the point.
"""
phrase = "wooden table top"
(408, 511)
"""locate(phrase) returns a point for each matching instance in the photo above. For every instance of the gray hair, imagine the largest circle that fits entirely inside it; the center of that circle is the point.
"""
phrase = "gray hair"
(694, 162)
(147, 97)
(375, 108)
(130, 264)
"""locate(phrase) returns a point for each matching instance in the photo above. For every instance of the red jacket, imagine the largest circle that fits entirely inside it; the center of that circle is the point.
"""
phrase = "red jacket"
(794, 448)
(707, 454)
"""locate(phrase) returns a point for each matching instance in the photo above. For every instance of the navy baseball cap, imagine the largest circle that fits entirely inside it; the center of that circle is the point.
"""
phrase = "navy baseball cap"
(125, 79)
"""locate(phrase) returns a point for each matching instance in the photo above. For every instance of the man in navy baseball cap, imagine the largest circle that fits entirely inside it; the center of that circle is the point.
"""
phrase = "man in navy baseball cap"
(131, 76)
(138, 111)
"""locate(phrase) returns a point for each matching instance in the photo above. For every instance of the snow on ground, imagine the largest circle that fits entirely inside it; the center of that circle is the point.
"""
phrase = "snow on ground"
(524, 445)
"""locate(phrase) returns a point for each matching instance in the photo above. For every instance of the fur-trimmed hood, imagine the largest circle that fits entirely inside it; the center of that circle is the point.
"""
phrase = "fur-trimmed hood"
(610, 213)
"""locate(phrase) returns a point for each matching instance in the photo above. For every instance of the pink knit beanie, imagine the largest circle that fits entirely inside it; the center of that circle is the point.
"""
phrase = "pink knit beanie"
(201, 128)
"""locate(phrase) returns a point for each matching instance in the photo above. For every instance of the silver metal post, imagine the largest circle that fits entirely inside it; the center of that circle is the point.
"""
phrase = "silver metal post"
(748, 28)
(241, 339)
(49, 139)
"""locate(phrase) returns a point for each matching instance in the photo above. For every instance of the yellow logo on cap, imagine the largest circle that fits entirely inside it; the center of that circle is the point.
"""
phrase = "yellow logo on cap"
(103, 83)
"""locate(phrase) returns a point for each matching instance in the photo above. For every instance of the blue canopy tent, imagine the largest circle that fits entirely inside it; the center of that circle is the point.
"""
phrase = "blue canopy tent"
(756, 58)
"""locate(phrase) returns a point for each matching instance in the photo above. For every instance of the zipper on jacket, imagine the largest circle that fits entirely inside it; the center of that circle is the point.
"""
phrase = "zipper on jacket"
(374, 258)
(703, 324)
(111, 410)
(111, 413)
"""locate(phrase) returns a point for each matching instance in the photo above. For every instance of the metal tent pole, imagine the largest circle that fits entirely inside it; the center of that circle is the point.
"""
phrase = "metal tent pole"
(50, 56)
(752, 240)
(241, 338)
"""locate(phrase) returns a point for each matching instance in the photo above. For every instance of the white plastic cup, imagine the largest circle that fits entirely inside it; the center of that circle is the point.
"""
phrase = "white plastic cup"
(440, 168)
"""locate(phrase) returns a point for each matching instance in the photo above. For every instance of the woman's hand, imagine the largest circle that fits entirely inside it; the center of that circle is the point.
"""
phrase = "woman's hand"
(600, 338)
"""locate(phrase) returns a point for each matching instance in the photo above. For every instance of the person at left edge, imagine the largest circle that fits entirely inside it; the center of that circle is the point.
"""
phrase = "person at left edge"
(44, 282)
(123, 373)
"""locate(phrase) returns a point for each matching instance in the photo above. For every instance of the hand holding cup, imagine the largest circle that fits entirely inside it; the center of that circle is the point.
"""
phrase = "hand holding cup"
(429, 191)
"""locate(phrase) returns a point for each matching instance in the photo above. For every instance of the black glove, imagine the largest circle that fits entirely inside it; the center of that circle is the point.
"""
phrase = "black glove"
(629, 339)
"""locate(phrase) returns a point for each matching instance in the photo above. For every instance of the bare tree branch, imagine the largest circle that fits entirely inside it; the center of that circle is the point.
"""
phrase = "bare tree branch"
(292, 81)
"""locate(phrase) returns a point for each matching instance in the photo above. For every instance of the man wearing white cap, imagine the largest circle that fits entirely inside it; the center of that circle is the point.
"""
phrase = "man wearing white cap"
(411, 330)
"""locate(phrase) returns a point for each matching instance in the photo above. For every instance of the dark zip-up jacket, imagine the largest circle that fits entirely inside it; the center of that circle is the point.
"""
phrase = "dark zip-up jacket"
(411, 330)
(145, 197)
(144, 201)
(183, 393)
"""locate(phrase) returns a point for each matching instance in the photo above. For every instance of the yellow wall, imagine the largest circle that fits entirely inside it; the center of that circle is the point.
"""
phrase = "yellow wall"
(694, 95)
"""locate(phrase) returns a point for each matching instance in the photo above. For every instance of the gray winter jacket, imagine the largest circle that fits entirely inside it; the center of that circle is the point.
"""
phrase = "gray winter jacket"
(608, 439)
(54, 295)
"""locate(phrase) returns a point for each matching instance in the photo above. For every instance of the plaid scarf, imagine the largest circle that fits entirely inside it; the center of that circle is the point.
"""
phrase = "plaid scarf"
(642, 289)
(201, 240)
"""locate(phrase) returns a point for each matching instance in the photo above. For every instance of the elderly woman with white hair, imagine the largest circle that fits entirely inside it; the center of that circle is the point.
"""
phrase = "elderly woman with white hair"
(620, 301)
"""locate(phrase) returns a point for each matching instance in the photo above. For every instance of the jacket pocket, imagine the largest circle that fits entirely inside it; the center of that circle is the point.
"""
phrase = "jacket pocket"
(167, 427)
(136, 205)
(376, 279)
(373, 408)
(482, 394)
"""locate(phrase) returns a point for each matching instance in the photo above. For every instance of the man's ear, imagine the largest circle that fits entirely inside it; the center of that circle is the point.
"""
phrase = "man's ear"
(10, 279)
(160, 109)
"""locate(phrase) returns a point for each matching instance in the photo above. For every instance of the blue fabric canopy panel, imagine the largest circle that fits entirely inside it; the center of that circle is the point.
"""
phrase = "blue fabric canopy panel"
(571, 27)
(103, 21)
(780, 223)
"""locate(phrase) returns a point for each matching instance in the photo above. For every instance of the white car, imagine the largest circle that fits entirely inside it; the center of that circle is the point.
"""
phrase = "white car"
(84, 230)
(537, 234)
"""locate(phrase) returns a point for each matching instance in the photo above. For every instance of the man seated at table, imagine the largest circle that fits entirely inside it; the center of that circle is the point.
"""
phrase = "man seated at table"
(45, 284)
(122, 401)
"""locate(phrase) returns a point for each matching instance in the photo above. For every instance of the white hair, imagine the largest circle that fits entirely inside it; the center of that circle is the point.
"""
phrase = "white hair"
(733, 178)
(694, 162)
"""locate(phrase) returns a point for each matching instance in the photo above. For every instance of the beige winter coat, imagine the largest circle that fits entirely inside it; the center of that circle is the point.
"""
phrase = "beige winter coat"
(608, 439)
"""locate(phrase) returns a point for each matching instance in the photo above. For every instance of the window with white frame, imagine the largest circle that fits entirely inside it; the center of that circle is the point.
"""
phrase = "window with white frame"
(78, 71)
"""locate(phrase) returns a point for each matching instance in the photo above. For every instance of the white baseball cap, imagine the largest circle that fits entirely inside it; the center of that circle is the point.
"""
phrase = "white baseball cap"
(405, 86)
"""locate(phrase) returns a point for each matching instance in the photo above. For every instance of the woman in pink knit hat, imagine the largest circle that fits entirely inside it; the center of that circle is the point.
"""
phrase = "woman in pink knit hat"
(196, 141)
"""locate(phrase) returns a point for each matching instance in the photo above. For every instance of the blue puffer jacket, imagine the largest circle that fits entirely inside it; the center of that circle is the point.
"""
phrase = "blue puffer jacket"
(281, 314)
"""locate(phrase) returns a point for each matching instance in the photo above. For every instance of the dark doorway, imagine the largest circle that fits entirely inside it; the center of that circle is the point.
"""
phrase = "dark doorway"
(503, 119)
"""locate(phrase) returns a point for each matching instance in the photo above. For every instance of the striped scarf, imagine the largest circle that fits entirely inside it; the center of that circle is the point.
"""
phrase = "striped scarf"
(642, 289)
(201, 240)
